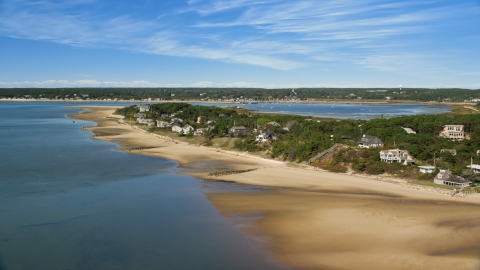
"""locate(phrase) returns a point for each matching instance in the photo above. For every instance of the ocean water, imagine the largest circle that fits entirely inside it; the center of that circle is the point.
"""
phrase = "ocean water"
(337, 111)
(69, 202)
(345, 111)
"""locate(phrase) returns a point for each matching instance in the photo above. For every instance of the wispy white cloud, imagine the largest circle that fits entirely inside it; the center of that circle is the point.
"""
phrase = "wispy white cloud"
(277, 34)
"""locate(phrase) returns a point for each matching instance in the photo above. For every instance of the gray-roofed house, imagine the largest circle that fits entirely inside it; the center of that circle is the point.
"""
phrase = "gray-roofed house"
(445, 177)
(238, 130)
(163, 124)
(370, 141)
(144, 108)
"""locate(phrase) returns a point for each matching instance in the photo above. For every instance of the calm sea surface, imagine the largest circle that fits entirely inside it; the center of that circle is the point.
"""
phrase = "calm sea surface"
(345, 111)
(338, 111)
(69, 202)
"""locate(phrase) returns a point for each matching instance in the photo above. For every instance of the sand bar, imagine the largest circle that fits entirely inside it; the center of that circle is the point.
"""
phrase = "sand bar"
(322, 220)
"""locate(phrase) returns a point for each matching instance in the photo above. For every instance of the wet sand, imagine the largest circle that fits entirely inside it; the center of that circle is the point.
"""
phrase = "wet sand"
(320, 220)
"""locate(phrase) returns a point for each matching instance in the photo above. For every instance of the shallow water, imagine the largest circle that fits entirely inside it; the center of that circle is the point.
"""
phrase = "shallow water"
(69, 202)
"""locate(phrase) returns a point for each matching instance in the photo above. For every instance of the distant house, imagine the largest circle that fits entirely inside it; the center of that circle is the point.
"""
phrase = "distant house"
(451, 151)
(409, 130)
(273, 123)
(139, 115)
(200, 119)
(475, 168)
(445, 177)
(238, 130)
(454, 132)
(177, 120)
(163, 124)
(176, 128)
(265, 136)
(148, 122)
(478, 152)
(370, 141)
(210, 121)
(187, 129)
(199, 132)
(426, 169)
(144, 108)
(396, 155)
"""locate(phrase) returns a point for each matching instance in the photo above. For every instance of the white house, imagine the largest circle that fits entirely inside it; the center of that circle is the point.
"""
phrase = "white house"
(426, 169)
(395, 155)
(178, 120)
(454, 132)
(199, 132)
(162, 124)
(187, 129)
(474, 167)
(265, 136)
(445, 177)
(176, 128)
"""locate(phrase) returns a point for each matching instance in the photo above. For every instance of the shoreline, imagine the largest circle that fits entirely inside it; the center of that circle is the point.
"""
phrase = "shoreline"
(305, 216)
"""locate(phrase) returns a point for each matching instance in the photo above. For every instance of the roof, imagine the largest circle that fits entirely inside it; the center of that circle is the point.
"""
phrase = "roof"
(238, 127)
(474, 166)
(449, 177)
(367, 139)
(427, 167)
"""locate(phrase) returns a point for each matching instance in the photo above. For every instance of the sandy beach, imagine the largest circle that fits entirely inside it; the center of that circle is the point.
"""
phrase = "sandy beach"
(319, 220)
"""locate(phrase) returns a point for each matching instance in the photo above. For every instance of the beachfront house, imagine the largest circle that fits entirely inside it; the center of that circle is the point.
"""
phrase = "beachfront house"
(199, 132)
(475, 168)
(396, 155)
(148, 122)
(187, 129)
(163, 124)
(144, 108)
(238, 130)
(176, 128)
(454, 132)
(445, 177)
(409, 130)
(370, 141)
(265, 137)
(426, 169)
(139, 115)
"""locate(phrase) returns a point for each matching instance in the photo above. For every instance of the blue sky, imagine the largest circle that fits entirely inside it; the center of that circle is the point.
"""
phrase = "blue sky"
(241, 43)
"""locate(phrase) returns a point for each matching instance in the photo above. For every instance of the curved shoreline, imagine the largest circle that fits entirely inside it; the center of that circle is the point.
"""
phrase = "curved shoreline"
(308, 220)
